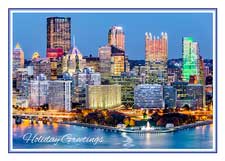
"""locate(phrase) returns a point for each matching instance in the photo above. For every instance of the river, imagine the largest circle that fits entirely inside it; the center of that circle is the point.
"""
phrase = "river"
(40, 136)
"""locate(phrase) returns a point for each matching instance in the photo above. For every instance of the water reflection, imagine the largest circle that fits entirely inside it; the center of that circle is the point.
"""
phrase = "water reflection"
(197, 138)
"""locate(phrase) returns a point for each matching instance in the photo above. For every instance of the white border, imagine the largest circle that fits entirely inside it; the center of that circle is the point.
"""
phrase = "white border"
(93, 10)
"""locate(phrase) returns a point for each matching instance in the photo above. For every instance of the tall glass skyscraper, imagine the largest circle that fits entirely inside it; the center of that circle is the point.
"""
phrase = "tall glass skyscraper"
(156, 55)
(116, 37)
(59, 33)
(190, 58)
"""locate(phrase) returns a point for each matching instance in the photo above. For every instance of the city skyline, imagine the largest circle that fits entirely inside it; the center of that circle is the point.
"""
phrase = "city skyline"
(188, 25)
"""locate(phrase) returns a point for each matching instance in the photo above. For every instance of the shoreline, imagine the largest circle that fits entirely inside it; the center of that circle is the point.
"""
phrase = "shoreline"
(164, 130)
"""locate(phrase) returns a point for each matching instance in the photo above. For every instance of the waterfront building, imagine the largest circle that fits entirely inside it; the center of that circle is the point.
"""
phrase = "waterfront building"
(128, 84)
(148, 96)
(41, 66)
(116, 37)
(103, 96)
(21, 101)
(59, 33)
(181, 88)
(190, 59)
(208, 94)
(92, 62)
(104, 54)
(169, 96)
(38, 92)
(59, 95)
(18, 58)
(196, 92)
(156, 56)
(79, 82)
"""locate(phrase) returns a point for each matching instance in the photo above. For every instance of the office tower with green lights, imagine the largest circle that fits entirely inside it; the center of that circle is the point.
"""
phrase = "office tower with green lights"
(190, 58)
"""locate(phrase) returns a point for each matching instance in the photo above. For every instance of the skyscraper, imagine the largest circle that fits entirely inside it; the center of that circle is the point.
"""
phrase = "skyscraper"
(59, 95)
(117, 61)
(59, 33)
(18, 58)
(104, 54)
(190, 59)
(156, 55)
(201, 71)
(116, 37)
(148, 96)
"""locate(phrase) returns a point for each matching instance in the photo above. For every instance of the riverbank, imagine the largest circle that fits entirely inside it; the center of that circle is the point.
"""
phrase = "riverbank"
(163, 130)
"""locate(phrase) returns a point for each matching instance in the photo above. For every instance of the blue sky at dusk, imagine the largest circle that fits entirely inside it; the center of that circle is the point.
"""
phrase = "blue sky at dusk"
(91, 30)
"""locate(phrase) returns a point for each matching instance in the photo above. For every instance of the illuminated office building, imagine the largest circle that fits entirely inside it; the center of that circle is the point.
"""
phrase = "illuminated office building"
(69, 62)
(18, 58)
(116, 37)
(53, 67)
(59, 33)
(181, 88)
(22, 82)
(156, 56)
(41, 66)
(103, 96)
(92, 62)
(201, 71)
(59, 95)
(117, 62)
(196, 92)
(128, 84)
(38, 93)
(54, 52)
(170, 96)
(148, 96)
(104, 54)
(190, 59)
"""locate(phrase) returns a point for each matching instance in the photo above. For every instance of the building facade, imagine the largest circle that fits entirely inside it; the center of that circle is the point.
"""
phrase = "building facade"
(59, 95)
(148, 96)
(116, 37)
(197, 92)
(103, 96)
(156, 56)
(41, 66)
(190, 59)
(104, 54)
(170, 96)
(59, 33)
(38, 93)
(18, 58)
